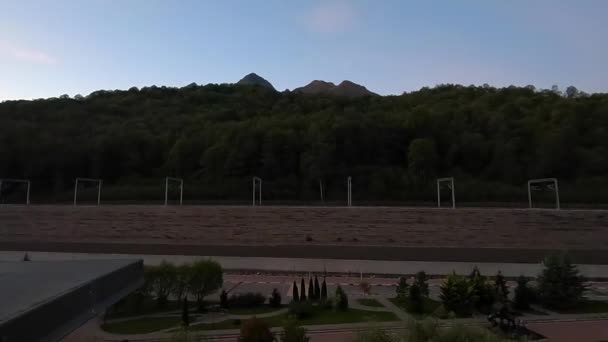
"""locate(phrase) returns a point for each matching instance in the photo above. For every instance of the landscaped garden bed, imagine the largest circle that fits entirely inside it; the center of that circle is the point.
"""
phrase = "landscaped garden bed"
(372, 302)
(142, 325)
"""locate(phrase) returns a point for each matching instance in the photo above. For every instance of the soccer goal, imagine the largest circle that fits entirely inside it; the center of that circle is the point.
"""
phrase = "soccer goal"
(257, 188)
(552, 185)
(17, 181)
(349, 191)
(450, 182)
(181, 189)
(87, 180)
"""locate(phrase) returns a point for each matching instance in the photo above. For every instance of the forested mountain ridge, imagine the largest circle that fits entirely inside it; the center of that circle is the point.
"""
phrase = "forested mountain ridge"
(218, 136)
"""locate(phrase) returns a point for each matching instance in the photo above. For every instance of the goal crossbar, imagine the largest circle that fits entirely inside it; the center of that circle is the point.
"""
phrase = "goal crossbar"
(181, 189)
(22, 181)
(450, 181)
(87, 180)
(544, 180)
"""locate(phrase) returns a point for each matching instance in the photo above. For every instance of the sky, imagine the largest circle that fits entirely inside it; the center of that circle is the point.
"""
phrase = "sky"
(50, 48)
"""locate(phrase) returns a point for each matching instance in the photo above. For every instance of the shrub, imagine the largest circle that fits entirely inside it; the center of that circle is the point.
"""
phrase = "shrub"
(293, 332)
(295, 296)
(524, 294)
(302, 291)
(416, 299)
(224, 299)
(560, 285)
(275, 299)
(501, 290)
(301, 309)
(402, 289)
(341, 299)
(458, 295)
(317, 289)
(324, 290)
(255, 330)
(246, 300)
(185, 313)
(421, 280)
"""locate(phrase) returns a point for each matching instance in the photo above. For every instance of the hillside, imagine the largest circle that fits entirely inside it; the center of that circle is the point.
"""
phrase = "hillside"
(217, 136)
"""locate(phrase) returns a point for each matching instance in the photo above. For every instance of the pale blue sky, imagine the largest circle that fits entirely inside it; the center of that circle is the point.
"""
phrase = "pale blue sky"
(49, 48)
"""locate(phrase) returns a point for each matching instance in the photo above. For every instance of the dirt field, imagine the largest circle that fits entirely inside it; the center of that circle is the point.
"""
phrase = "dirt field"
(281, 231)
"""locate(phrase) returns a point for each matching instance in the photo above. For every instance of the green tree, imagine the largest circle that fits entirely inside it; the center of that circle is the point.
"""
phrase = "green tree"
(524, 294)
(421, 279)
(303, 291)
(560, 285)
(295, 295)
(224, 299)
(402, 289)
(416, 299)
(483, 292)
(317, 289)
(180, 286)
(275, 299)
(163, 281)
(293, 331)
(501, 289)
(206, 277)
(324, 290)
(457, 294)
(311, 290)
(185, 313)
(422, 158)
(341, 299)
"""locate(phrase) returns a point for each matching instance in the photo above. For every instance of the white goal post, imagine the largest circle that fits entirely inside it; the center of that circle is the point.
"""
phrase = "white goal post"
(257, 184)
(88, 180)
(450, 181)
(181, 189)
(349, 191)
(544, 180)
(24, 181)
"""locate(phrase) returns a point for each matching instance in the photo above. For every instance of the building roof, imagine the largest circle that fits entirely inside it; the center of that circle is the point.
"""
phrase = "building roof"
(56, 297)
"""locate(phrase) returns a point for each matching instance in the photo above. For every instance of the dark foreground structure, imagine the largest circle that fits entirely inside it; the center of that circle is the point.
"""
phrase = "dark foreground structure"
(45, 301)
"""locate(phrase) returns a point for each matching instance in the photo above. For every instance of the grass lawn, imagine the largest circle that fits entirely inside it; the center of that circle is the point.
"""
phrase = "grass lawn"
(429, 306)
(320, 316)
(142, 325)
(253, 311)
(370, 302)
(587, 306)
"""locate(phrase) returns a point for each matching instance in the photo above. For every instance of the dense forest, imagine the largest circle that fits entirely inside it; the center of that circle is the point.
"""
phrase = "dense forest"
(217, 137)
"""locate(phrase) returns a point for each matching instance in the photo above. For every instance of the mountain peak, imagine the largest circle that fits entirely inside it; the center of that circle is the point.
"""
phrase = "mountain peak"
(345, 88)
(255, 79)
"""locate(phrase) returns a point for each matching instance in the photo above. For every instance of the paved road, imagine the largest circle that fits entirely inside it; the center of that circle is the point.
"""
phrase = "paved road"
(300, 265)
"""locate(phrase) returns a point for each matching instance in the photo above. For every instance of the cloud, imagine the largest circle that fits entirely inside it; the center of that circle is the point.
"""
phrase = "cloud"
(25, 54)
(331, 17)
